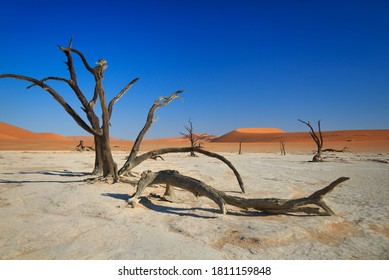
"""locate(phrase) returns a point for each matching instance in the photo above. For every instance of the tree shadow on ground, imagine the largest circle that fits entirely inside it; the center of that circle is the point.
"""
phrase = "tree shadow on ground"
(65, 172)
(179, 211)
(185, 211)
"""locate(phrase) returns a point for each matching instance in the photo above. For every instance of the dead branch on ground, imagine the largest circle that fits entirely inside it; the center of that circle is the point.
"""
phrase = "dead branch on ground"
(266, 205)
(152, 154)
(335, 150)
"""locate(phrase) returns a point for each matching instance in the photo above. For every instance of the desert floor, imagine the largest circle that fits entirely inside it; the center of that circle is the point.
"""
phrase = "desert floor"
(48, 211)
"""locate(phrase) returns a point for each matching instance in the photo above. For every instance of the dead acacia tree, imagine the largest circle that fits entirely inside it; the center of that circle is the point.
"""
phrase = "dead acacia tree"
(266, 205)
(104, 163)
(318, 140)
(192, 137)
(282, 147)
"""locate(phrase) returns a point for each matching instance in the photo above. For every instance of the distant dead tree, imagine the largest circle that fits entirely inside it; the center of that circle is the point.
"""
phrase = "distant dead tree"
(192, 137)
(81, 147)
(240, 148)
(282, 147)
(317, 138)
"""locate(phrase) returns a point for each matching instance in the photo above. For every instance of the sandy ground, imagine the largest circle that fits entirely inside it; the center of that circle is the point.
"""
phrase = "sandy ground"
(48, 211)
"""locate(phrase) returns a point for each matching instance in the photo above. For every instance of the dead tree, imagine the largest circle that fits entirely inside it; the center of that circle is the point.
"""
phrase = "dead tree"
(282, 147)
(240, 148)
(266, 205)
(318, 140)
(80, 147)
(104, 163)
(193, 138)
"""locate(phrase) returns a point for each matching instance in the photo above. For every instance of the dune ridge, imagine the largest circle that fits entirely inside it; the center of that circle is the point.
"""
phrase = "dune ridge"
(259, 130)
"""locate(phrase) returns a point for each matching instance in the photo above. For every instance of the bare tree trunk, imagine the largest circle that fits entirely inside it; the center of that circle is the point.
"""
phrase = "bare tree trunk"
(109, 165)
(240, 148)
(267, 205)
(318, 140)
(282, 147)
(99, 163)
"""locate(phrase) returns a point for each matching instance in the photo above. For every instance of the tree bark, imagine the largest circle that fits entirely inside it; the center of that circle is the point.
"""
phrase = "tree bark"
(266, 205)
(109, 165)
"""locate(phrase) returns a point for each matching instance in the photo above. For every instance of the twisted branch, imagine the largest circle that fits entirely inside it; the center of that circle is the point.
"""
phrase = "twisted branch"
(267, 205)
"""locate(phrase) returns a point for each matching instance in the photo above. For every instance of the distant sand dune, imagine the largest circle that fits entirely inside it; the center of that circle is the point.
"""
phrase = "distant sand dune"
(8, 131)
(253, 139)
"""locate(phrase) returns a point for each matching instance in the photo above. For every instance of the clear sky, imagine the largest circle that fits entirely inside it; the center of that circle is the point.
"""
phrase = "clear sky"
(241, 63)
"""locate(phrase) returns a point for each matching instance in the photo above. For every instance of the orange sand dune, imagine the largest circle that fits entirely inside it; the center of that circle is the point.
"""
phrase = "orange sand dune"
(8, 131)
(253, 140)
(250, 135)
(355, 140)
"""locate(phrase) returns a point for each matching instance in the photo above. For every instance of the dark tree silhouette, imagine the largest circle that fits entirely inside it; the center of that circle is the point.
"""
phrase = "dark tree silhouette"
(318, 140)
(192, 137)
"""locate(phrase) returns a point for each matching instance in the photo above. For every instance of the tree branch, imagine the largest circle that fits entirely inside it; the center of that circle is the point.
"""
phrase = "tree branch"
(267, 205)
(312, 132)
(159, 102)
(84, 61)
(119, 95)
(129, 165)
(48, 79)
(57, 97)
(73, 77)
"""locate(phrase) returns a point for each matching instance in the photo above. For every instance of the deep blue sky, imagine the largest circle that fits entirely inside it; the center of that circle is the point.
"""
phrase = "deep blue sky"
(241, 63)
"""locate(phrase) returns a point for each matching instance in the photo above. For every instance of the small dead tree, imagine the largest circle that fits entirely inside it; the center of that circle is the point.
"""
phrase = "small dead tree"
(80, 147)
(192, 137)
(240, 148)
(282, 147)
(317, 138)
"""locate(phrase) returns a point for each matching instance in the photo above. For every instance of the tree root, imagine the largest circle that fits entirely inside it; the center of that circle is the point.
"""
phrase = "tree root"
(266, 205)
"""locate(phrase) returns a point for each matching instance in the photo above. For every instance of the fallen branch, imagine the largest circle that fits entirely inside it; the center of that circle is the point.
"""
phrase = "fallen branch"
(267, 205)
(335, 150)
(152, 154)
